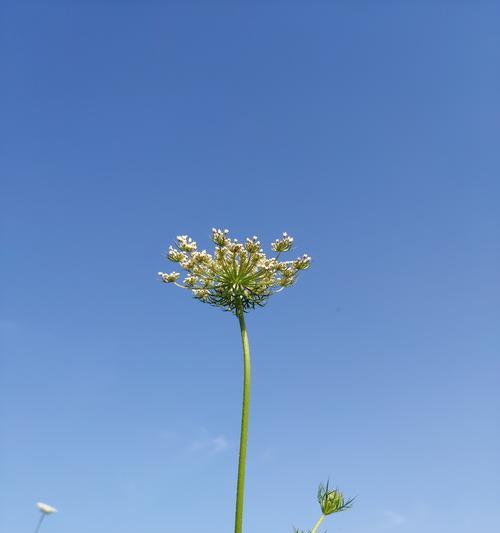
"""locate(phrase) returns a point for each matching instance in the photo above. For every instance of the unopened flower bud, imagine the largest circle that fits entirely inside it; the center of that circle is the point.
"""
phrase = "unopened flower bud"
(332, 501)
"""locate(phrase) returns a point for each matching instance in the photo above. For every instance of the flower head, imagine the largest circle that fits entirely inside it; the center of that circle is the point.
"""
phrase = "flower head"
(46, 509)
(332, 501)
(237, 276)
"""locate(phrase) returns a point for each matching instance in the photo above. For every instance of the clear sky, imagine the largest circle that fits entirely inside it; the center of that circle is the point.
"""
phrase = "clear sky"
(370, 134)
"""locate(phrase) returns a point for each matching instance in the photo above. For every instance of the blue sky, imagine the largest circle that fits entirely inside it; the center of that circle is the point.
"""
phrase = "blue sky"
(370, 134)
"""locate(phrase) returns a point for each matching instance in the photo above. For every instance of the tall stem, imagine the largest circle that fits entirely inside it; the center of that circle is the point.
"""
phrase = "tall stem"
(244, 424)
(39, 523)
(321, 518)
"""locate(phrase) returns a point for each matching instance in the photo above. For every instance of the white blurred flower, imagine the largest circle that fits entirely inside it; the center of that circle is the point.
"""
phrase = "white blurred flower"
(46, 509)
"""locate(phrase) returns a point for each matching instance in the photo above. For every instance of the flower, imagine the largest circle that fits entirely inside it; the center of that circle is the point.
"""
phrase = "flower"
(169, 278)
(237, 276)
(284, 244)
(46, 509)
(176, 255)
(302, 263)
(185, 243)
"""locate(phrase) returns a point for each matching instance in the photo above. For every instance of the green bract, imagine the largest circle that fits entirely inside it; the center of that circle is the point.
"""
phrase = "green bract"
(237, 276)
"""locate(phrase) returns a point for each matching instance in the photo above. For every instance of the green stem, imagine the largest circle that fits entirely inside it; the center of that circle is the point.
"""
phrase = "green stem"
(244, 424)
(321, 518)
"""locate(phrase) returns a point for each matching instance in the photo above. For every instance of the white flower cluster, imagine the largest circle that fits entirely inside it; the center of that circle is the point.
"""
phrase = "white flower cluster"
(186, 244)
(169, 278)
(238, 276)
(282, 245)
(302, 262)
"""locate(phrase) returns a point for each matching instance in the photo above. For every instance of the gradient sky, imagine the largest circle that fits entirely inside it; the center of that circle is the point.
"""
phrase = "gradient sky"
(370, 134)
